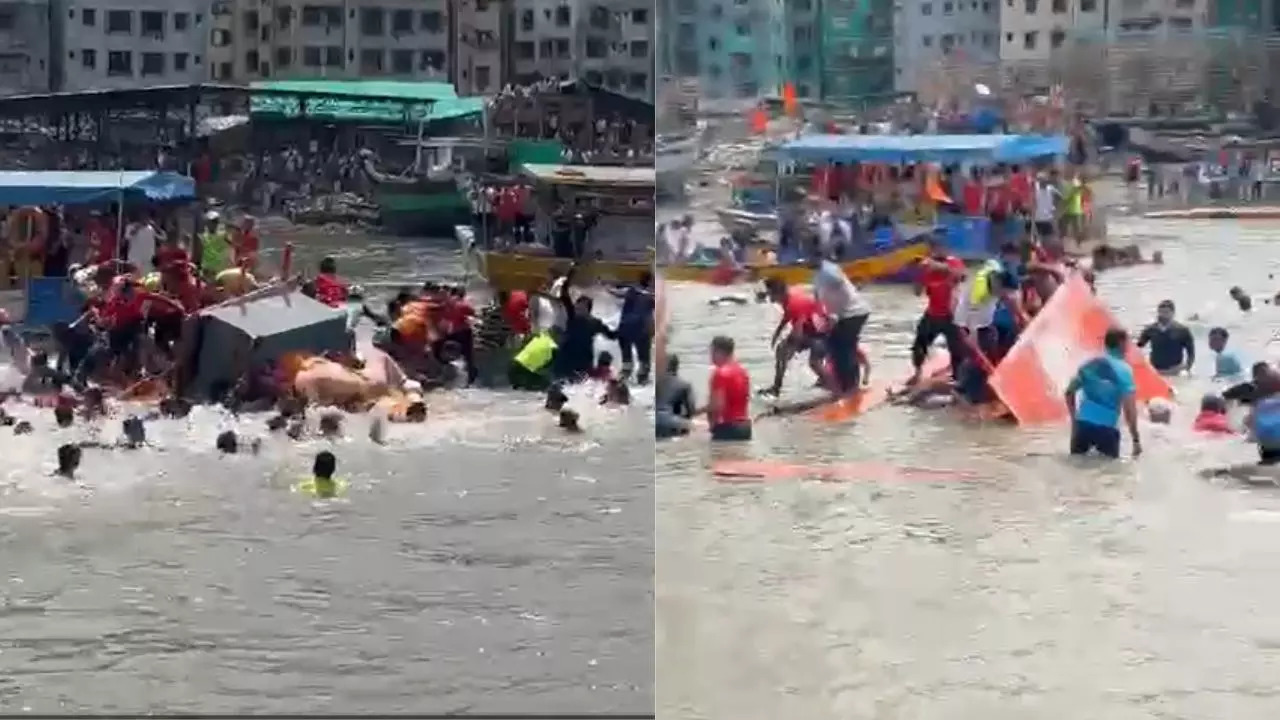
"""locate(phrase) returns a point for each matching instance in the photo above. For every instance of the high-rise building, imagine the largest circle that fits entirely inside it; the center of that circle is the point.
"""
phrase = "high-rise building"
(310, 39)
(116, 44)
(857, 41)
(25, 37)
(478, 64)
(607, 43)
(931, 36)
(735, 48)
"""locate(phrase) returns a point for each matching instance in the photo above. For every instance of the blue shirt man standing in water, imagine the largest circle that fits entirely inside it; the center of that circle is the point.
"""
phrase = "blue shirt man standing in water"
(1108, 390)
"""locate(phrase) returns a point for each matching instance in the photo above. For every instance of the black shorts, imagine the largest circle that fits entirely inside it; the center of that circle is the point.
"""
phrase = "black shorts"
(1268, 456)
(124, 339)
(1086, 436)
(731, 432)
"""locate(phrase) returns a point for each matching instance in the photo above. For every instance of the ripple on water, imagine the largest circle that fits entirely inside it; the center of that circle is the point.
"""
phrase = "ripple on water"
(1122, 590)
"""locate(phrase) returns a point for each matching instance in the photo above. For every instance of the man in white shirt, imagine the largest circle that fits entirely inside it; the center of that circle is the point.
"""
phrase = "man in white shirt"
(1046, 208)
(849, 312)
(141, 237)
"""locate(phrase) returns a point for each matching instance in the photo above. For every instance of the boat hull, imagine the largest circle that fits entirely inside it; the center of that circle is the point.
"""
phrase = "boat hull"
(421, 211)
(511, 271)
(735, 219)
(893, 266)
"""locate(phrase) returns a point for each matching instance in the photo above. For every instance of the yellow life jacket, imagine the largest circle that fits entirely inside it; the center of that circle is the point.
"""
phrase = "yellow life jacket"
(321, 488)
(151, 281)
(537, 353)
(980, 288)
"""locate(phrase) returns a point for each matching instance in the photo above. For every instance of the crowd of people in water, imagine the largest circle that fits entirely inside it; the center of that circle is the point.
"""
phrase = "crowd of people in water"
(980, 313)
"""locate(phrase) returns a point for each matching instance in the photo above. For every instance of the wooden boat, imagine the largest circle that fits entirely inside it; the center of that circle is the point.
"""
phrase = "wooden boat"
(613, 209)
(892, 265)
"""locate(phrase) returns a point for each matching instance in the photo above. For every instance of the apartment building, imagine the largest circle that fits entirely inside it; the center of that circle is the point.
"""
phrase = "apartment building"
(477, 50)
(737, 49)
(311, 39)
(609, 44)
(24, 47)
(120, 44)
(930, 36)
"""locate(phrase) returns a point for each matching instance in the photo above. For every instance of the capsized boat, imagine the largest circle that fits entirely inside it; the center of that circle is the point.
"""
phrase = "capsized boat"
(597, 216)
(894, 264)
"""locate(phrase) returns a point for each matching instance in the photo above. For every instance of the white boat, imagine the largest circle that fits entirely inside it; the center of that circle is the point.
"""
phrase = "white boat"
(674, 159)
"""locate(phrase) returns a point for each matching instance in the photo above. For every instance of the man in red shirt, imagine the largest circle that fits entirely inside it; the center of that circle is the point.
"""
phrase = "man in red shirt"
(940, 275)
(329, 288)
(102, 240)
(455, 315)
(245, 244)
(729, 408)
(807, 320)
(515, 311)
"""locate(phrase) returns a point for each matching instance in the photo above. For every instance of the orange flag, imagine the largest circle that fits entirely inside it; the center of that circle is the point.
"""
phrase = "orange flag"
(789, 104)
(759, 121)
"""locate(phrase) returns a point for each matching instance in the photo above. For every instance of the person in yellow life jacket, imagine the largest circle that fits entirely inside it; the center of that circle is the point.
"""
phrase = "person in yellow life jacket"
(215, 245)
(531, 367)
(322, 483)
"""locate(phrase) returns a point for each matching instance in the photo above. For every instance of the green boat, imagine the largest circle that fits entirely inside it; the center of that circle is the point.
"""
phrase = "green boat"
(427, 201)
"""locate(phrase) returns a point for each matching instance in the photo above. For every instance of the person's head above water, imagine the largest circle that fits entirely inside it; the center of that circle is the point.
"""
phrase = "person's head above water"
(134, 431)
(331, 424)
(569, 420)
(1116, 342)
(227, 442)
(63, 416)
(721, 349)
(1159, 411)
(1243, 301)
(68, 459)
(325, 465)
(556, 398)
(22, 427)
(1165, 312)
(1213, 403)
(673, 364)
(1260, 372)
(175, 407)
(1218, 339)
(775, 289)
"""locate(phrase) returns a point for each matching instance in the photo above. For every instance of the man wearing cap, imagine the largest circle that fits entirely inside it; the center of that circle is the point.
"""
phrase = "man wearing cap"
(214, 246)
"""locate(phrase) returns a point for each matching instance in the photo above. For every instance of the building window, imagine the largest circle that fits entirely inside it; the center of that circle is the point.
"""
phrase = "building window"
(371, 61)
(562, 48)
(333, 56)
(596, 48)
(1181, 23)
(252, 61)
(743, 29)
(284, 57)
(927, 41)
(119, 62)
(564, 16)
(639, 49)
(312, 57)
(803, 5)
(717, 12)
(402, 62)
(546, 49)
(89, 59)
(524, 51)
(152, 64)
(89, 17)
(312, 16)
(1029, 40)
(1059, 7)
(926, 9)
(637, 82)
(1031, 6)
(431, 21)
(220, 37)
(180, 61)
(1088, 5)
(947, 8)
(482, 77)
(986, 6)
(804, 63)
(402, 24)
(1057, 38)
(119, 21)
(946, 42)
(371, 22)
(802, 34)
(640, 16)
(431, 60)
(526, 20)
(598, 18)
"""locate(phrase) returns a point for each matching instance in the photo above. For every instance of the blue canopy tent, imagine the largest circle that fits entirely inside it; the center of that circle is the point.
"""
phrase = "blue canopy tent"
(98, 187)
(945, 149)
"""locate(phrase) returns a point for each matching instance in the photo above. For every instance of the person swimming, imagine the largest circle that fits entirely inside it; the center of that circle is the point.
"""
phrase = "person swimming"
(1242, 300)
(616, 393)
(322, 484)
(69, 456)
(556, 399)
(568, 421)
(64, 416)
(228, 442)
(1213, 416)
(331, 425)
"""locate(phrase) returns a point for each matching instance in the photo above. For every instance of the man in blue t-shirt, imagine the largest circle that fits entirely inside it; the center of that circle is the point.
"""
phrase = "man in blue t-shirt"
(1008, 284)
(1107, 386)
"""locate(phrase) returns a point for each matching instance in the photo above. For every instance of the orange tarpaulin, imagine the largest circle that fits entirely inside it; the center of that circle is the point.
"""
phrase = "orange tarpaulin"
(1064, 335)
(933, 189)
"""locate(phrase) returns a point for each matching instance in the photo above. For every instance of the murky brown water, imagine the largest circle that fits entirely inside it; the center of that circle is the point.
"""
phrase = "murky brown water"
(1044, 588)
(481, 562)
